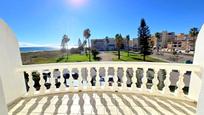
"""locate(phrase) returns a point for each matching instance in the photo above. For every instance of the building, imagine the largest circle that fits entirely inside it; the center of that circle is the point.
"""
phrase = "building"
(153, 41)
(166, 37)
(135, 44)
(106, 44)
(182, 42)
(99, 44)
(109, 44)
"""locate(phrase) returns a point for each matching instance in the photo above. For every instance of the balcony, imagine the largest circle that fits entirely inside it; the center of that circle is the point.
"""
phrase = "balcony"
(117, 87)
(98, 87)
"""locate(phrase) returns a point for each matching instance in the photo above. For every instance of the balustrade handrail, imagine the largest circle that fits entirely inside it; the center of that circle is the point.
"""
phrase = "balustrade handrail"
(172, 66)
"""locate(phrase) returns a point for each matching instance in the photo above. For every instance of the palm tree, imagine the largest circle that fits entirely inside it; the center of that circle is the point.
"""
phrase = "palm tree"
(79, 43)
(87, 34)
(194, 33)
(119, 40)
(107, 42)
(158, 36)
(128, 40)
(64, 44)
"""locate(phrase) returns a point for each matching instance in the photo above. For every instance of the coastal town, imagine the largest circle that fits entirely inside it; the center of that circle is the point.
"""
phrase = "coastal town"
(163, 47)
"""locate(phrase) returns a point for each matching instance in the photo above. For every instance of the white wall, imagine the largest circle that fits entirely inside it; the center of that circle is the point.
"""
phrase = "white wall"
(12, 81)
(199, 60)
(3, 107)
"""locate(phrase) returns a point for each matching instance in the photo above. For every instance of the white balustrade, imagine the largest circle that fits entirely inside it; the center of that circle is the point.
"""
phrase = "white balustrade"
(70, 66)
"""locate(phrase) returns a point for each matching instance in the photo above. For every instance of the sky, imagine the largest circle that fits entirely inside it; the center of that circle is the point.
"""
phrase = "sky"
(44, 22)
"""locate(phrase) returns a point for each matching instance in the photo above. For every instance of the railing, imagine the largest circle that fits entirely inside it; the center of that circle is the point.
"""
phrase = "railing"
(164, 79)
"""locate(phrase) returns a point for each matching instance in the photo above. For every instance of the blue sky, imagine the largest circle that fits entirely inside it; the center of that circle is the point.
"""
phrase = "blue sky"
(44, 22)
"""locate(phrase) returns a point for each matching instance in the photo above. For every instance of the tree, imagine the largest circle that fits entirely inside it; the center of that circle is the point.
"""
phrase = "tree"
(194, 33)
(87, 34)
(158, 36)
(119, 41)
(144, 35)
(107, 42)
(94, 53)
(128, 40)
(79, 43)
(64, 45)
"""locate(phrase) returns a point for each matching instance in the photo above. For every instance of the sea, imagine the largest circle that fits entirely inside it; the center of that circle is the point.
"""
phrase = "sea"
(36, 49)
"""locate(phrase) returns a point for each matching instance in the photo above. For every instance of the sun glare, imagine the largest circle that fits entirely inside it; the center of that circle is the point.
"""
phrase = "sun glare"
(77, 3)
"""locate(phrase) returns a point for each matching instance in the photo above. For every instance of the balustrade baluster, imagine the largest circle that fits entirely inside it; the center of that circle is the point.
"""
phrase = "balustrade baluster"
(80, 85)
(31, 84)
(181, 83)
(61, 80)
(106, 84)
(134, 79)
(144, 79)
(115, 79)
(97, 77)
(89, 77)
(71, 80)
(52, 81)
(155, 81)
(42, 82)
(167, 82)
(124, 78)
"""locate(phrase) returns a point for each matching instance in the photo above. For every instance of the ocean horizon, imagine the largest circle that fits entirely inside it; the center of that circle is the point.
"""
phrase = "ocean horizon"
(36, 49)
